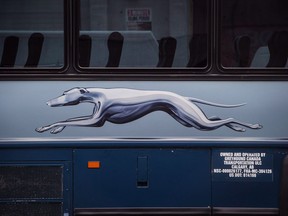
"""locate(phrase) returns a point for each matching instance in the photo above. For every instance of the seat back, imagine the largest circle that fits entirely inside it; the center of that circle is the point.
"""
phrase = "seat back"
(10, 50)
(35, 44)
(167, 48)
(115, 45)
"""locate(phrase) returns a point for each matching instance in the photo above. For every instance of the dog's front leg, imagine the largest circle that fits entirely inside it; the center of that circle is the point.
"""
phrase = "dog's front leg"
(56, 130)
(59, 126)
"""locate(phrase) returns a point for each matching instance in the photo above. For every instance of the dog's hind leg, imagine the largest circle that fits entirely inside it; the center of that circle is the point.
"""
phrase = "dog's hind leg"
(248, 125)
(229, 125)
(206, 124)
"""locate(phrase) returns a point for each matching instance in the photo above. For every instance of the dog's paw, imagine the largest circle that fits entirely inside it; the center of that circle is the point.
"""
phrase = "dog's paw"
(257, 126)
(238, 129)
(57, 130)
(40, 129)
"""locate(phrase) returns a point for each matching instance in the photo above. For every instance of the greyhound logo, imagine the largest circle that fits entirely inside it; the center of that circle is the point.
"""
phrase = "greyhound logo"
(125, 105)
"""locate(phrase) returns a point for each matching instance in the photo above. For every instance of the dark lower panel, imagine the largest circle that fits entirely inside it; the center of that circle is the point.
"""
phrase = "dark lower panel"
(31, 209)
(142, 211)
(284, 188)
(31, 181)
(245, 211)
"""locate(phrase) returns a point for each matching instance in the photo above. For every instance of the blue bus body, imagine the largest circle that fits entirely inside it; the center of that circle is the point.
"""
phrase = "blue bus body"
(156, 176)
(154, 162)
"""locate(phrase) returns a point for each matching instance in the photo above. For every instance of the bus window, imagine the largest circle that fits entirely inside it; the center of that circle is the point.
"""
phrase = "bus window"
(31, 34)
(143, 33)
(253, 34)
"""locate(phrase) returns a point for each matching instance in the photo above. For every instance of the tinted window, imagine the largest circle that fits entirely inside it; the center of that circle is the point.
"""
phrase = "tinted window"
(31, 33)
(143, 33)
(254, 33)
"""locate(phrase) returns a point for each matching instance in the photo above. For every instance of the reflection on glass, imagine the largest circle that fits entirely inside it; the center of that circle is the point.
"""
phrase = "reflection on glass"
(143, 33)
(31, 33)
(254, 33)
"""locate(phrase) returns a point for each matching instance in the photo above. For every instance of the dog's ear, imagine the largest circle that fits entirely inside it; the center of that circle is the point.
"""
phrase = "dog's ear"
(83, 90)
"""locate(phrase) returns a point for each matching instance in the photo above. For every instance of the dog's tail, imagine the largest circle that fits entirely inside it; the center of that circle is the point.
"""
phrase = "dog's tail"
(196, 100)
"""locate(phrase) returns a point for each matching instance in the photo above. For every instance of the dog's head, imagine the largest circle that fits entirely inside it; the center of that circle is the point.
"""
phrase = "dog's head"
(71, 97)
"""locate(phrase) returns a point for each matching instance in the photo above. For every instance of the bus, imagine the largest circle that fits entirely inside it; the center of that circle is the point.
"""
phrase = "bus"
(143, 107)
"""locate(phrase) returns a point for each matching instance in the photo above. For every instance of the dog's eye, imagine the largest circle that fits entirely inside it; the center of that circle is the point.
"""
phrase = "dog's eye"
(82, 91)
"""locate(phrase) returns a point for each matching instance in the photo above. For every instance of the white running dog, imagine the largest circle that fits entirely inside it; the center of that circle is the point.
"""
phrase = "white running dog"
(125, 105)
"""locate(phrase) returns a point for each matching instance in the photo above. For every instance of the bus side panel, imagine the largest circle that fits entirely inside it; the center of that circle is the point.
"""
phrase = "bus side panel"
(142, 178)
(247, 177)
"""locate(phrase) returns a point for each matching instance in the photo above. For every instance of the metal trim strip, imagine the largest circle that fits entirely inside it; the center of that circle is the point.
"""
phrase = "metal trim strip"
(142, 211)
(245, 211)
